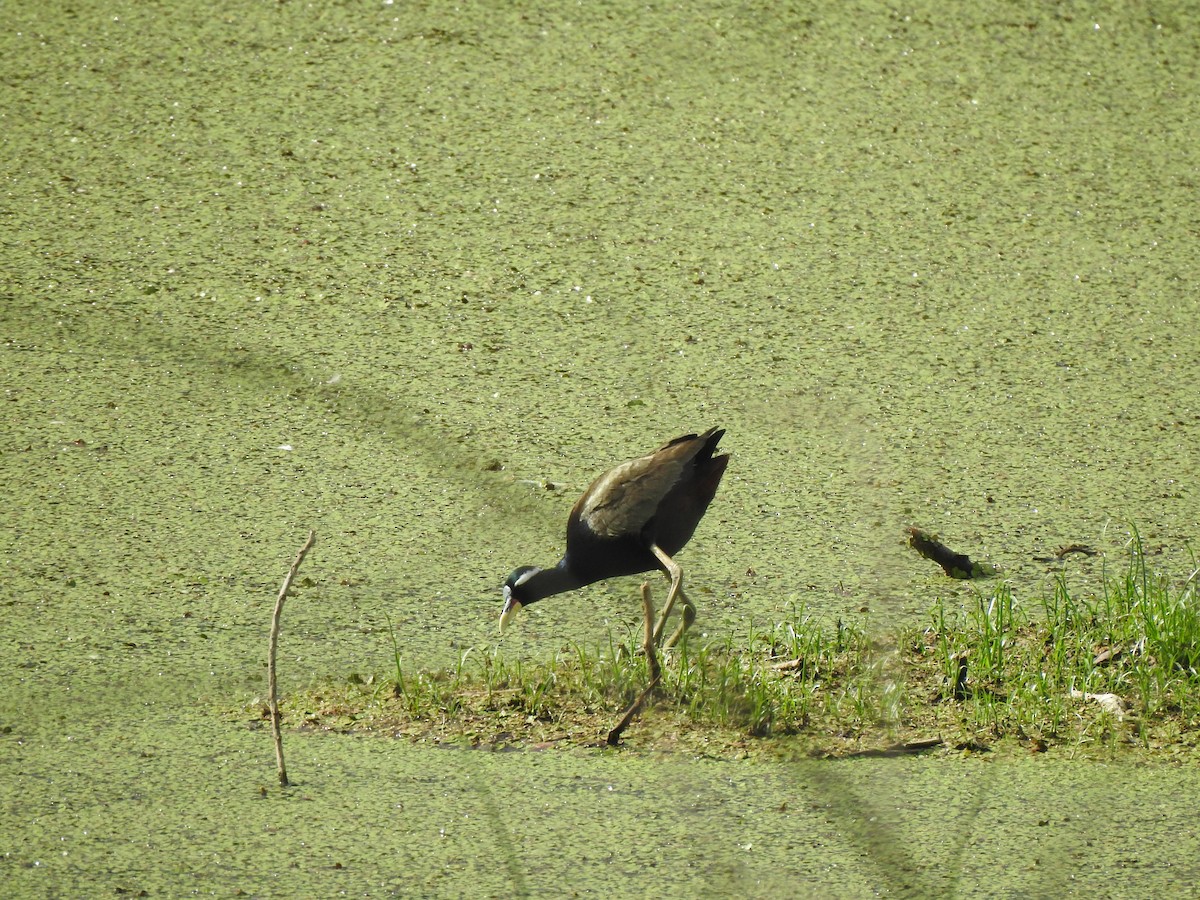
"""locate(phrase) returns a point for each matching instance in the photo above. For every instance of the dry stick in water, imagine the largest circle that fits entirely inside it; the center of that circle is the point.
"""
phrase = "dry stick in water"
(274, 694)
(614, 736)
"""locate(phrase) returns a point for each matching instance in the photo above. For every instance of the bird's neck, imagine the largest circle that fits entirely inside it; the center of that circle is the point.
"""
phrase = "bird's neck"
(549, 582)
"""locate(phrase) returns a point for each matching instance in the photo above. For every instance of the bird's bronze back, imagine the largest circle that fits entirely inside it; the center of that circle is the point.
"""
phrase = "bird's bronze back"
(622, 500)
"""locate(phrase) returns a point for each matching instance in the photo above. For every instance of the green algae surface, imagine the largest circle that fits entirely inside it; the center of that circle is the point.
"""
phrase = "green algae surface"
(412, 276)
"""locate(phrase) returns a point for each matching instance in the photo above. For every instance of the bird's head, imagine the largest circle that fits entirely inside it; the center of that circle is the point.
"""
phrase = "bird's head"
(514, 595)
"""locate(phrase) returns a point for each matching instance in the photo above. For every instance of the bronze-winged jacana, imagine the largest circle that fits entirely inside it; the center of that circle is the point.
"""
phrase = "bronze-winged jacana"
(634, 518)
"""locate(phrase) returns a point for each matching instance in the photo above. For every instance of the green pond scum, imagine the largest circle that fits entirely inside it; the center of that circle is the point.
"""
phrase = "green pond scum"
(411, 275)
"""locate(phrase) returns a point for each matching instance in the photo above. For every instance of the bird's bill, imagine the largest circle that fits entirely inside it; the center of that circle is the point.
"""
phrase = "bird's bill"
(511, 608)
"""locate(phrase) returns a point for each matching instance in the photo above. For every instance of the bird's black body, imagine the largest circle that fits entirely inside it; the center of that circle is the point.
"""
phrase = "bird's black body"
(649, 504)
(681, 503)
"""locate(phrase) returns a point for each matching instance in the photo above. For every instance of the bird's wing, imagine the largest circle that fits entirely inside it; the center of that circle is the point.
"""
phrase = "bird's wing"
(622, 500)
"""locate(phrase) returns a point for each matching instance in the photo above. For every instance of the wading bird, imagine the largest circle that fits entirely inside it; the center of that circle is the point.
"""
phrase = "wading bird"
(633, 519)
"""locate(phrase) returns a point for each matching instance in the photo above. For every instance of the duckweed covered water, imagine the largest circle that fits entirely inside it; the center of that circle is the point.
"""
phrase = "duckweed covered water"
(411, 277)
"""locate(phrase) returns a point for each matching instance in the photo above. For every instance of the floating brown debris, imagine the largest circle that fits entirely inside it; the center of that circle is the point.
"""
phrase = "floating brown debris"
(956, 565)
(1076, 548)
(908, 748)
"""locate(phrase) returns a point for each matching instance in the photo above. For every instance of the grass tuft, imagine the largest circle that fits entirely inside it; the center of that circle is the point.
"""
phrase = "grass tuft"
(1076, 673)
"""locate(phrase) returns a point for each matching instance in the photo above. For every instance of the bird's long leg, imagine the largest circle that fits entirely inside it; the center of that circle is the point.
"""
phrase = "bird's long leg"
(689, 611)
(648, 642)
(614, 736)
(688, 617)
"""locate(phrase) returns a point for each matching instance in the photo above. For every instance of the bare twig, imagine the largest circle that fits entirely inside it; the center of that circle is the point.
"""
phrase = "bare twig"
(274, 694)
